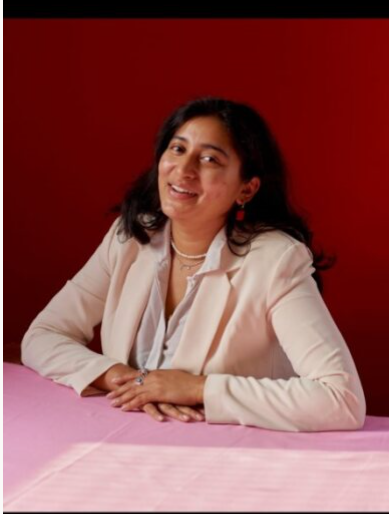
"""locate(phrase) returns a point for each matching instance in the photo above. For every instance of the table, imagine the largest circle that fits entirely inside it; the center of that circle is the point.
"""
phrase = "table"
(66, 453)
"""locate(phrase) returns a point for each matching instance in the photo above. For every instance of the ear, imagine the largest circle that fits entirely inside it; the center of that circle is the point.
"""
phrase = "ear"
(249, 189)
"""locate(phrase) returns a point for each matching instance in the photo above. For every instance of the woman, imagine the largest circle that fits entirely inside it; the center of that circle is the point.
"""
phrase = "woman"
(207, 292)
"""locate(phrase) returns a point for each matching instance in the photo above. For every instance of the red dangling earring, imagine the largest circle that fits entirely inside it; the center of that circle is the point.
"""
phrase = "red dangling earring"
(240, 213)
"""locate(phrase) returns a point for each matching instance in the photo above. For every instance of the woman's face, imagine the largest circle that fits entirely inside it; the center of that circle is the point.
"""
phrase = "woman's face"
(199, 173)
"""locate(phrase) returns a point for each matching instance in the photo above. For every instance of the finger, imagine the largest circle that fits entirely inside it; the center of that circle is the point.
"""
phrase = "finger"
(124, 394)
(128, 376)
(127, 386)
(173, 412)
(129, 396)
(136, 403)
(152, 410)
(191, 412)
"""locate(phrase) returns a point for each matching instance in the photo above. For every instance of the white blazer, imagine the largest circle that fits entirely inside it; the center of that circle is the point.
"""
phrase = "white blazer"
(258, 328)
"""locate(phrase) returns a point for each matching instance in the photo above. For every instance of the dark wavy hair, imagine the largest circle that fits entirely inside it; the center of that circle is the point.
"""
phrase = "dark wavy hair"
(269, 209)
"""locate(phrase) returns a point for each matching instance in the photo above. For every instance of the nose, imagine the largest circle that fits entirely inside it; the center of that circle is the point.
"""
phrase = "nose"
(186, 167)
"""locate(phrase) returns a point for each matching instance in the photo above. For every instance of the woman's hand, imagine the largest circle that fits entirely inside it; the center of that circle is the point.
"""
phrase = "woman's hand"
(173, 387)
(178, 412)
(106, 381)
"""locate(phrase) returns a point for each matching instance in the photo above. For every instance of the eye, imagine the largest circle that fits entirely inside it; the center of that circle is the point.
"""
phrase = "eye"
(176, 148)
(212, 160)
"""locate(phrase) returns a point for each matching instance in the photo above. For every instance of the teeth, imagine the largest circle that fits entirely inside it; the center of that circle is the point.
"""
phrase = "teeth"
(179, 190)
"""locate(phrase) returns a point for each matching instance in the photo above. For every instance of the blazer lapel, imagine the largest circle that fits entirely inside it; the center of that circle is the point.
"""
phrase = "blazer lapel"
(204, 316)
(135, 294)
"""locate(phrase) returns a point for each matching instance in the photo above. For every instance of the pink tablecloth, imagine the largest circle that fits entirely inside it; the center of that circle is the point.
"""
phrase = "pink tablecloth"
(62, 452)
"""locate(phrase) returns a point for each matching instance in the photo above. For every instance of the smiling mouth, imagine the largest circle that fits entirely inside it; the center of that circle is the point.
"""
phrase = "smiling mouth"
(181, 191)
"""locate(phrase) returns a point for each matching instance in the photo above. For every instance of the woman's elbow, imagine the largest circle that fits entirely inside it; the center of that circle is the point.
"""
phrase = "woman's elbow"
(31, 346)
(352, 410)
(359, 414)
(339, 408)
(25, 348)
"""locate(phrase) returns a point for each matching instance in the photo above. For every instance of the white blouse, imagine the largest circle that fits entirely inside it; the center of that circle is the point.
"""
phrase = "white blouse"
(156, 340)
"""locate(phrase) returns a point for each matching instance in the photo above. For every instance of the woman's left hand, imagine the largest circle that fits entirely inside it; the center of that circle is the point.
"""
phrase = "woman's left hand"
(159, 386)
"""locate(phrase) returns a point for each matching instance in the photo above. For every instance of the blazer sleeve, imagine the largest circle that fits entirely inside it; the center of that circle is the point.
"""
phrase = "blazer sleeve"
(326, 394)
(55, 344)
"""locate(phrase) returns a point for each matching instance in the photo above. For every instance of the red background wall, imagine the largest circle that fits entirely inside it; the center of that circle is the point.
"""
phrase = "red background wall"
(83, 100)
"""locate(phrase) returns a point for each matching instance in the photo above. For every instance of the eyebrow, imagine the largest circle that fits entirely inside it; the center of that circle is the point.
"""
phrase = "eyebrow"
(205, 145)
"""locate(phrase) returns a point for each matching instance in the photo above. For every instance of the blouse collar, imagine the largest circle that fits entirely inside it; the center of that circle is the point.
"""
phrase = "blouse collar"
(160, 246)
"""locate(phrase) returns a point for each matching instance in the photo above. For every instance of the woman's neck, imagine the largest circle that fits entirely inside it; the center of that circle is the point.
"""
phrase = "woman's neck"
(193, 240)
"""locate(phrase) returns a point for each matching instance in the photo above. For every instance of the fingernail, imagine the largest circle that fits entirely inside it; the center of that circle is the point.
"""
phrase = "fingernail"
(116, 379)
(199, 417)
(160, 418)
(114, 402)
(110, 395)
(184, 416)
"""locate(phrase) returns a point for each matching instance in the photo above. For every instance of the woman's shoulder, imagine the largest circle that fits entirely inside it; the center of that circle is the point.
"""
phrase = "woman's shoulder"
(117, 244)
(272, 245)
(274, 240)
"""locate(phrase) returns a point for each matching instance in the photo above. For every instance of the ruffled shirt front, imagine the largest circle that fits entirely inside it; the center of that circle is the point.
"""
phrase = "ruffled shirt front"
(156, 340)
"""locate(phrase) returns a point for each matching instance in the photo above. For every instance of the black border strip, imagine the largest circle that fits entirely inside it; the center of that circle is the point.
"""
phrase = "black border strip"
(137, 9)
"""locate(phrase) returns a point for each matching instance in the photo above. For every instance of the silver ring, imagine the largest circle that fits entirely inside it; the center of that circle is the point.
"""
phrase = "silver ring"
(139, 380)
(144, 372)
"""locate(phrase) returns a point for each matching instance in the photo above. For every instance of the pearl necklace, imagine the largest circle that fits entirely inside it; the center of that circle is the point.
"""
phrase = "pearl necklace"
(185, 255)
(188, 267)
